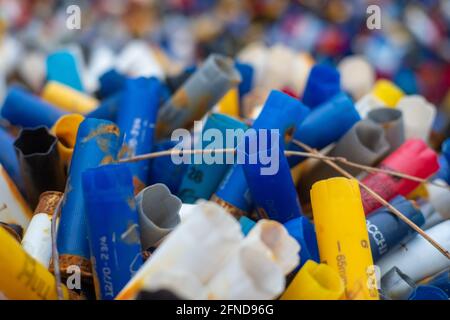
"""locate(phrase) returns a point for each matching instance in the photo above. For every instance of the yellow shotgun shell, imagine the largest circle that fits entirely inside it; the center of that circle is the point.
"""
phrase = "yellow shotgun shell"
(68, 99)
(65, 129)
(315, 282)
(229, 104)
(342, 235)
(21, 276)
(387, 92)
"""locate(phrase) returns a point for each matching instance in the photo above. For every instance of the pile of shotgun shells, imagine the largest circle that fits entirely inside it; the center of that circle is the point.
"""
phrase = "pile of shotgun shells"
(229, 149)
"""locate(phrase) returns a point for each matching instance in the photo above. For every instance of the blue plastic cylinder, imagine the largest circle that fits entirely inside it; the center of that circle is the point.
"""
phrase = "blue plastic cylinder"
(444, 169)
(62, 67)
(22, 108)
(446, 155)
(136, 120)
(325, 124)
(427, 292)
(247, 72)
(302, 230)
(269, 178)
(164, 170)
(386, 230)
(281, 112)
(442, 281)
(97, 143)
(8, 158)
(324, 82)
(108, 108)
(111, 82)
(201, 180)
(113, 227)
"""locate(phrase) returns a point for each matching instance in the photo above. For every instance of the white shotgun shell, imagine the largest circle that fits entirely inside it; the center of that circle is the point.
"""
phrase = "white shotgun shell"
(248, 274)
(357, 75)
(37, 241)
(272, 239)
(199, 246)
(418, 116)
(439, 199)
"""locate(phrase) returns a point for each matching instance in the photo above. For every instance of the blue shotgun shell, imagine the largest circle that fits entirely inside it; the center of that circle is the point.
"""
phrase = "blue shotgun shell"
(97, 143)
(323, 83)
(136, 120)
(302, 230)
(386, 230)
(325, 124)
(22, 108)
(108, 108)
(111, 82)
(8, 158)
(164, 170)
(427, 292)
(247, 72)
(281, 112)
(62, 66)
(269, 178)
(444, 162)
(200, 181)
(441, 280)
(113, 227)
(446, 149)
(444, 169)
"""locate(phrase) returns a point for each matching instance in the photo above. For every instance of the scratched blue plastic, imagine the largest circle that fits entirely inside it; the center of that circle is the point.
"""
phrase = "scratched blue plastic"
(113, 227)
(281, 112)
(95, 145)
(136, 119)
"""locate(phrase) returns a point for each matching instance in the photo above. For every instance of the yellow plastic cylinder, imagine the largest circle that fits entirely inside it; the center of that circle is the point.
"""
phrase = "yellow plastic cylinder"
(21, 276)
(315, 282)
(342, 235)
(65, 129)
(229, 104)
(68, 99)
(387, 92)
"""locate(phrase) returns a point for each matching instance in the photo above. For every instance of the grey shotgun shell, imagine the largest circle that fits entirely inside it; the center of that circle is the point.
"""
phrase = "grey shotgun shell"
(198, 95)
(364, 143)
(392, 122)
(158, 213)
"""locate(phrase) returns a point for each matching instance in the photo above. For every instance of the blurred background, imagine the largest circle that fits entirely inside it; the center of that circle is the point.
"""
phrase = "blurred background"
(412, 47)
